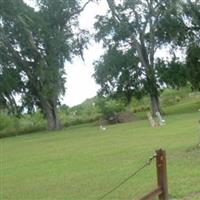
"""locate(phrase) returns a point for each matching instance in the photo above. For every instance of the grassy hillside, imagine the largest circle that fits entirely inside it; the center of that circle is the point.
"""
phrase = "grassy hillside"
(83, 162)
(172, 102)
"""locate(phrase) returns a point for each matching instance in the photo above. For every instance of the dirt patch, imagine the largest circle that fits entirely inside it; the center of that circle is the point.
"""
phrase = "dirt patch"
(122, 117)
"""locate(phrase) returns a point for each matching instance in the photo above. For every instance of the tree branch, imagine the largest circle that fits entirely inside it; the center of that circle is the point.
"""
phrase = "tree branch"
(81, 9)
(140, 48)
(111, 5)
(16, 56)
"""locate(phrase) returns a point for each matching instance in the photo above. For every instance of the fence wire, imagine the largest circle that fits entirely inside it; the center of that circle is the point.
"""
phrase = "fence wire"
(129, 177)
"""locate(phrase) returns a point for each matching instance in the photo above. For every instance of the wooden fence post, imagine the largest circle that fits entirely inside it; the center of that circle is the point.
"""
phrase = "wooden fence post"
(162, 174)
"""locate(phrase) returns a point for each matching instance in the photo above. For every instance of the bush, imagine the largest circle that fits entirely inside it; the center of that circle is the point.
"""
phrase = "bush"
(7, 121)
(11, 125)
(35, 119)
(172, 96)
(109, 107)
(84, 113)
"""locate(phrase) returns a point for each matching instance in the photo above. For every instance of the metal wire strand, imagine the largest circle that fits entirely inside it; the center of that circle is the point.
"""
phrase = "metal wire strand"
(129, 177)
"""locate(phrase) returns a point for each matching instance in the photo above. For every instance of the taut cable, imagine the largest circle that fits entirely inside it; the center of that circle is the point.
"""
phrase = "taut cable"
(129, 177)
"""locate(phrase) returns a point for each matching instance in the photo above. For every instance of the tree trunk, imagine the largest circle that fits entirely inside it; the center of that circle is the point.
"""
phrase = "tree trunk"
(50, 110)
(153, 90)
(155, 104)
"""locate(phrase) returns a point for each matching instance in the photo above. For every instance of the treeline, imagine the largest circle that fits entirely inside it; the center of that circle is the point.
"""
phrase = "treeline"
(36, 43)
(96, 110)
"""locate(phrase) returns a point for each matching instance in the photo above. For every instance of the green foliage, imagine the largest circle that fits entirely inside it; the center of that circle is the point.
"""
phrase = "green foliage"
(86, 112)
(186, 105)
(172, 73)
(109, 107)
(10, 84)
(141, 105)
(191, 11)
(7, 121)
(171, 25)
(37, 44)
(133, 31)
(11, 125)
(171, 97)
(173, 101)
(193, 66)
(34, 119)
(187, 23)
(118, 74)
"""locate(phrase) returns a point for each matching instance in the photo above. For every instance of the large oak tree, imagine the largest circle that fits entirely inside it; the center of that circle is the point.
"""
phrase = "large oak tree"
(37, 43)
(143, 27)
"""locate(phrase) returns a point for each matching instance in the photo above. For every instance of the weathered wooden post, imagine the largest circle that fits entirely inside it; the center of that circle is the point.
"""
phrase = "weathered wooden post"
(161, 166)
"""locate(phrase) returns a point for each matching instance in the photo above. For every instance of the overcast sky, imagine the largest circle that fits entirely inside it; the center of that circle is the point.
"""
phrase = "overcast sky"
(80, 85)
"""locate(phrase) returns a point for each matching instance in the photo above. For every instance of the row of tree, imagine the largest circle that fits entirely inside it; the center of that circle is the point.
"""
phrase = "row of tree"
(36, 43)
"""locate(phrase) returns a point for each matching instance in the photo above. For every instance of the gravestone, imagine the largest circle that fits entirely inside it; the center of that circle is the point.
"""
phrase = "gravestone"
(151, 120)
(160, 119)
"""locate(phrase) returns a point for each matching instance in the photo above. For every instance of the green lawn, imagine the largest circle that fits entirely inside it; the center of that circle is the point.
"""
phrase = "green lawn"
(83, 162)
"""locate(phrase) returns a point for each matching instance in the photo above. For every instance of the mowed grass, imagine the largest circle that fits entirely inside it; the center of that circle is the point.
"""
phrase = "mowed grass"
(84, 162)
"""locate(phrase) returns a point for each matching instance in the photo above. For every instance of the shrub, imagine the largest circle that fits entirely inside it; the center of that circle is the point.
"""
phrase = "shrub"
(109, 107)
(11, 125)
(7, 121)
(84, 113)
(172, 96)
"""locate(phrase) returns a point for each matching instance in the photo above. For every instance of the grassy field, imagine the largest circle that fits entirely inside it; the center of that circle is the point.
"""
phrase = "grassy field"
(84, 162)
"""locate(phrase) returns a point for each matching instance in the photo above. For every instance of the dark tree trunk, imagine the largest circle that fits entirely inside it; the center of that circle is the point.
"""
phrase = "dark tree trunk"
(50, 110)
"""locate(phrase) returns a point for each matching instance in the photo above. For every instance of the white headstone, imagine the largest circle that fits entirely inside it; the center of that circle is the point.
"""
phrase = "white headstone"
(151, 120)
(103, 128)
(160, 119)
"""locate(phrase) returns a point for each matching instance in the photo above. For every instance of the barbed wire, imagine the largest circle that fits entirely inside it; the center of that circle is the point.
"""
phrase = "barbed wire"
(129, 177)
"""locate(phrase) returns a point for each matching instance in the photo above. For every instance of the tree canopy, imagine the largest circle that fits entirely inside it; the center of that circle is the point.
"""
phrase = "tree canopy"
(144, 27)
(118, 74)
(36, 45)
(192, 11)
(193, 66)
